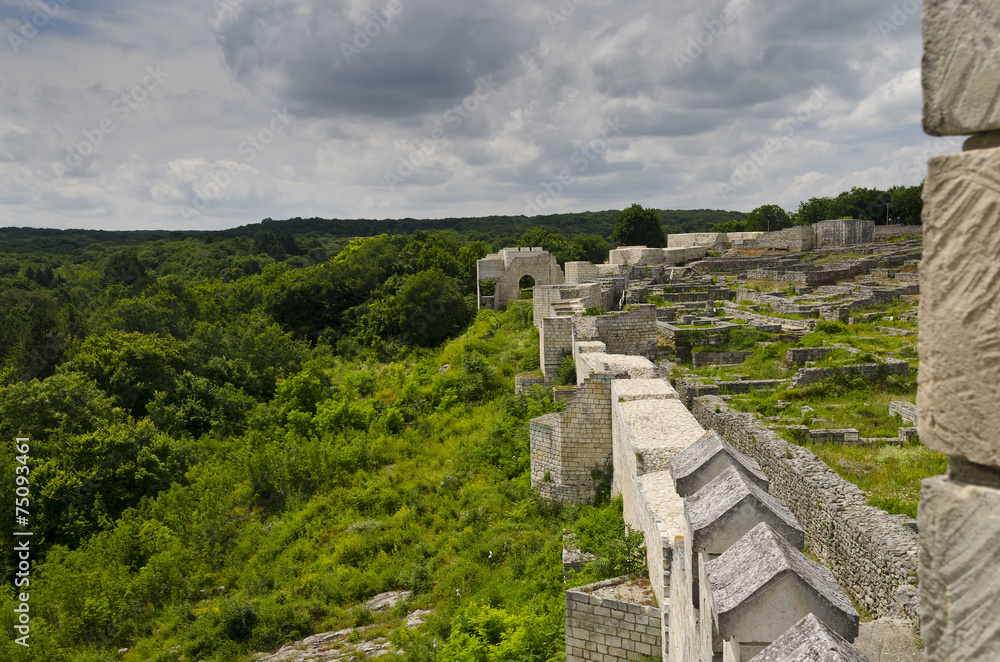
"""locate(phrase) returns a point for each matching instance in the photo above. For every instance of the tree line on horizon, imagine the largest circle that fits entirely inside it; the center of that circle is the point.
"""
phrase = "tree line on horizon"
(897, 205)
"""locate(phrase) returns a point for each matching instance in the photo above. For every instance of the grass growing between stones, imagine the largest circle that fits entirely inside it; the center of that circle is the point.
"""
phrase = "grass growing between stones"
(890, 475)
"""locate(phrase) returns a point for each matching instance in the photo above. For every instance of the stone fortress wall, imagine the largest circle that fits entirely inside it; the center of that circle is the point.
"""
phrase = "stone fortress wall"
(508, 267)
(872, 554)
(621, 628)
(624, 416)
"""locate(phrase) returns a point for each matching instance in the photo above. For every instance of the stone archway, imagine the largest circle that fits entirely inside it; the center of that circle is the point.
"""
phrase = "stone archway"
(526, 286)
(505, 270)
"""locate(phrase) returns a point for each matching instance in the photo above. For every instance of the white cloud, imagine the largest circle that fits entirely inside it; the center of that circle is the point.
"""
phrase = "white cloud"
(413, 91)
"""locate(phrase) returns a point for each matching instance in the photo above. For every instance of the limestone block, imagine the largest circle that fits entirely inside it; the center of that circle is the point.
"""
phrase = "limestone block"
(959, 570)
(728, 507)
(762, 586)
(810, 639)
(959, 342)
(961, 67)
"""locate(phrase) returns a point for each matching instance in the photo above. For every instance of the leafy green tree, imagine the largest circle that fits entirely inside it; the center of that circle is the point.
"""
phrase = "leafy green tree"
(732, 225)
(769, 218)
(131, 367)
(34, 330)
(124, 268)
(591, 247)
(422, 309)
(815, 210)
(97, 475)
(636, 226)
(907, 204)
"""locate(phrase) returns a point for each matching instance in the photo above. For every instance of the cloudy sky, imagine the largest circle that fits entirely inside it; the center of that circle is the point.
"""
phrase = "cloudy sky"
(206, 114)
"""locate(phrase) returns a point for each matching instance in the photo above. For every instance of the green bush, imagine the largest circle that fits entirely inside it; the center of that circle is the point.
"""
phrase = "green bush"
(566, 375)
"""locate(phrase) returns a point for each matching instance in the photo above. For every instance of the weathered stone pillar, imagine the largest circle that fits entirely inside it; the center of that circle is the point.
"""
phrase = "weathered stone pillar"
(959, 380)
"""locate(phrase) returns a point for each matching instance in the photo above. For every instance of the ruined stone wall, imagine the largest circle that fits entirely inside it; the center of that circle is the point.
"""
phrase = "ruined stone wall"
(759, 318)
(545, 299)
(710, 240)
(736, 264)
(797, 240)
(867, 370)
(907, 411)
(890, 232)
(566, 447)
(801, 355)
(641, 256)
(631, 332)
(778, 304)
(510, 265)
(525, 382)
(808, 275)
(555, 340)
(844, 232)
(608, 630)
(701, 359)
(581, 272)
(872, 554)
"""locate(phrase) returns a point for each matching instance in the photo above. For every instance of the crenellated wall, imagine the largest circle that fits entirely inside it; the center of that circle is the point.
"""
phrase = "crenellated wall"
(872, 554)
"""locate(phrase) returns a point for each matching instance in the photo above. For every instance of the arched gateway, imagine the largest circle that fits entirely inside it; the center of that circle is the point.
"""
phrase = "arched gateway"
(499, 274)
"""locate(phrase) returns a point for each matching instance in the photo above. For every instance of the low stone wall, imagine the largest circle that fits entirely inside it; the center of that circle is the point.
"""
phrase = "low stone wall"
(689, 388)
(800, 355)
(719, 358)
(759, 318)
(888, 232)
(906, 410)
(608, 630)
(797, 239)
(871, 553)
(526, 381)
(737, 264)
(742, 386)
(778, 304)
(867, 370)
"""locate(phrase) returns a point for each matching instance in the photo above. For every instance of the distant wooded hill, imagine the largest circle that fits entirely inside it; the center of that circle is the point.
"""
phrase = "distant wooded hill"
(495, 230)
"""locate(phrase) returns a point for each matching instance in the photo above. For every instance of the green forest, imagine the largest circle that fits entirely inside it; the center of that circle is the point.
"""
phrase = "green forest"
(234, 441)
(235, 438)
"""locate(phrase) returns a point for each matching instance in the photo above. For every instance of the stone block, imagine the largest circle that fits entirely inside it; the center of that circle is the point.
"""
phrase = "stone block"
(810, 639)
(959, 342)
(961, 67)
(959, 570)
